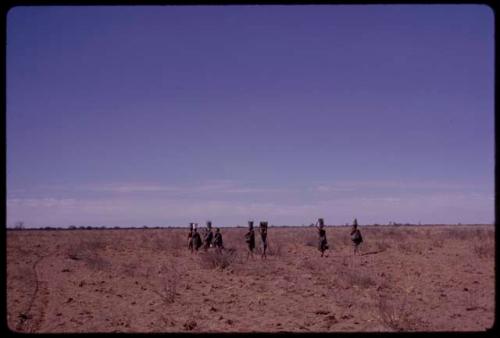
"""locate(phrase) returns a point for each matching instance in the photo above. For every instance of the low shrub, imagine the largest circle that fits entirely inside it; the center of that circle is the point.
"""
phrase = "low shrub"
(395, 312)
(218, 259)
(88, 252)
(485, 249)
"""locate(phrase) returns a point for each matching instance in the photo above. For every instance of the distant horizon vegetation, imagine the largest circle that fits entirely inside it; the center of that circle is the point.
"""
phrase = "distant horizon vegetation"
(22, 226)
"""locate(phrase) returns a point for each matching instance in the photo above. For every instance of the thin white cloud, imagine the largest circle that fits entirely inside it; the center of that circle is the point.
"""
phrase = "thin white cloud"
(128, 187)
(400, 185)
(323, 188)
(46, 202)
(214, 186)
(126, 210)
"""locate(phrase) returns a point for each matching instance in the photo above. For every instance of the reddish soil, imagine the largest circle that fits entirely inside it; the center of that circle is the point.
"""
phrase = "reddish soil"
(436, 278)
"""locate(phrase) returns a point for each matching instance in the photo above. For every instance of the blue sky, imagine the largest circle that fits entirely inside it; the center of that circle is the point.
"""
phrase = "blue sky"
(168, 115)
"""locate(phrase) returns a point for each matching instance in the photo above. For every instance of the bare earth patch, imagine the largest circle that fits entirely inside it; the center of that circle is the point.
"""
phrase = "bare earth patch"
(145, 280)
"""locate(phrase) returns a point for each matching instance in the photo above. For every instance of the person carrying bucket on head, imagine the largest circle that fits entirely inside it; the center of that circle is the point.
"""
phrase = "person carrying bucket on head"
(190, 237)
(196, 238)
(208, 236)
(356, 237)
(263, 237)
(322, 244)
(218, 244)
(250, 239)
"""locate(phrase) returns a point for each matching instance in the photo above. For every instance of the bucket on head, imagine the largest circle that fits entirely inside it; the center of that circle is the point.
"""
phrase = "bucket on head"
(321, 222)
(250, 224)
(263, 224)
(209, 224)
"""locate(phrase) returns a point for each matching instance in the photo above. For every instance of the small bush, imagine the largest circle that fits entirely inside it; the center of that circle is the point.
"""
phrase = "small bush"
(218, 259)
(88, 251)
(169, 279)
(352, 276)
(485, 250)
(98, 263)
(308, 264)
(164, 240)
(484, 235)
(382, 246)
(427, 233)
(275, 250)
(311, 240)
(438, 243)
(395, 313)
(355, 277)
(409, 248)
(175, 241)
(163, 282)
(460, 234)
(396, 234)
(130, 269)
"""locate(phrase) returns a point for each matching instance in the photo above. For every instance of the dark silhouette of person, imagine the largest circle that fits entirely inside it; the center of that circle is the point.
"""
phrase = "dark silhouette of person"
(250, 239)
(218, 244)
(190, 237)
(323, 243)
(208, 236)
(196, 239)
(356, 237)
(263, 237)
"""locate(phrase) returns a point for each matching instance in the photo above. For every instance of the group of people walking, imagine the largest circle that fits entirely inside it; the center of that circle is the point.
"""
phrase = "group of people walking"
(250, 239)
(195, 241)
(356, 237)
(209, 238)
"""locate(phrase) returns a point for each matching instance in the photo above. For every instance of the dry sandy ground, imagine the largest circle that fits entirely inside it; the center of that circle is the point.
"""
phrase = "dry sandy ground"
(145, 280)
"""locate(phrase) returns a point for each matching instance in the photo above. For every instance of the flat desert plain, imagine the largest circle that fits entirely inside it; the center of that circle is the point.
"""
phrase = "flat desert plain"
(406, 278)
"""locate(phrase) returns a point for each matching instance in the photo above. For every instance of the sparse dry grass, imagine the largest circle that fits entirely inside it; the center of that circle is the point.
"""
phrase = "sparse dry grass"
(460, 234)
(382, 246)
(410, 248)
(355, 277)
(213, 259)
(374, 246)
(395, 312)
(130, 269)
(363, 293)
(438, 243)
(163, 281)
(310, 239)
(87, 250)
(485, 249)
(276, 249)
(169, 280)
(394, 303)
(396, 234)
(349, 274)
(163, 241)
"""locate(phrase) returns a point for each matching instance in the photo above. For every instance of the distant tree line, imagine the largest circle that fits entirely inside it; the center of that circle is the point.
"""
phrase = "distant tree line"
(21, 226)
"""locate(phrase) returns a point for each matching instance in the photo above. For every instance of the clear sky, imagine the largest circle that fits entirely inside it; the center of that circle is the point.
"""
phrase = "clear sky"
(131, 116)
